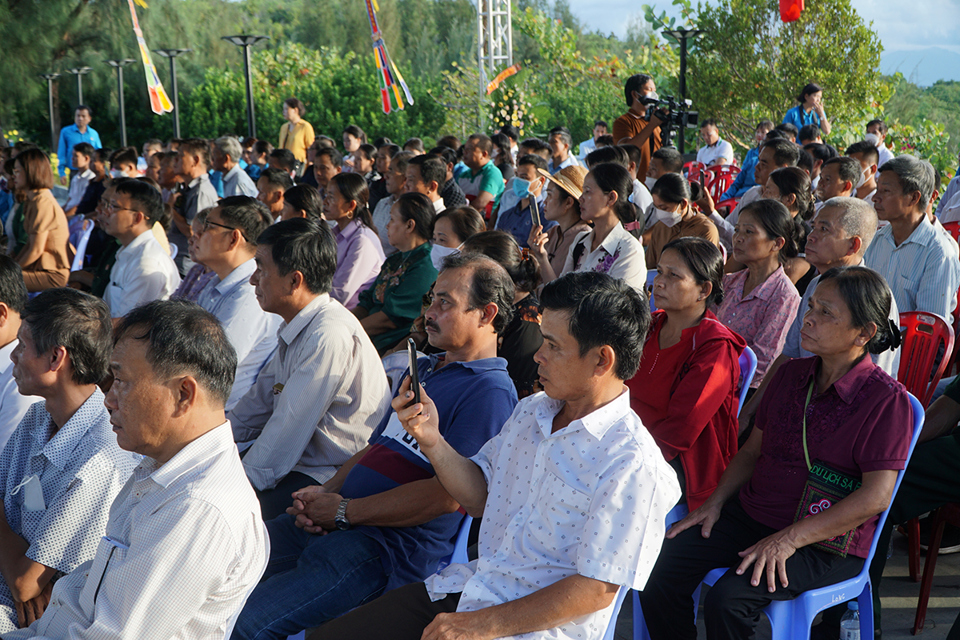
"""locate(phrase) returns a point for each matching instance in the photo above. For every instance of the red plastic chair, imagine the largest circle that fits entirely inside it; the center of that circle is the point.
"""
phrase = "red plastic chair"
(924, 336)
(721, 178)
(692, 170)
(947, 513)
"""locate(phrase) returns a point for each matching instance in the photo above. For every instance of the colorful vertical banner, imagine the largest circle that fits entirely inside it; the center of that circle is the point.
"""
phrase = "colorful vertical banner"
(159, 101)
(391, 82)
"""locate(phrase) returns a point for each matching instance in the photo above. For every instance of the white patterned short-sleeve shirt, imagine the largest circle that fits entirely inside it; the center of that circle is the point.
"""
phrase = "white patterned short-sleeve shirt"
(590, 499)
(80, 470)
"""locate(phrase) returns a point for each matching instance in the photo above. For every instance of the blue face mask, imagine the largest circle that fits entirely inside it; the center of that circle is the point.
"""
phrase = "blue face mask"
(521, 187)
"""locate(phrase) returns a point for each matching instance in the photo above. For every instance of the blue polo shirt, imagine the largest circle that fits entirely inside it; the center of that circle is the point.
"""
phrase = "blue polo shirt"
(70, 137)
(474, 400)
(800, 118)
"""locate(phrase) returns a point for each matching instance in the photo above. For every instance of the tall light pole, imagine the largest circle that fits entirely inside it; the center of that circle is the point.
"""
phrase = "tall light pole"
(50, 77)
(79, 72)
(172, 55)
(681, 36)
(246, 42)
(119, 65)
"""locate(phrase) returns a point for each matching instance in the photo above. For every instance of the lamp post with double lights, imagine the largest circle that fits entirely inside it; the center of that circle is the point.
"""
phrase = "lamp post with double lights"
(50, 77)
(246, 42)
(79, 72)
(119, 65)
(172, 55)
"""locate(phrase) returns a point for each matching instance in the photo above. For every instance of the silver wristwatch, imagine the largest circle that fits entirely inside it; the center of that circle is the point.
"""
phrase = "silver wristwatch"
(341, 518)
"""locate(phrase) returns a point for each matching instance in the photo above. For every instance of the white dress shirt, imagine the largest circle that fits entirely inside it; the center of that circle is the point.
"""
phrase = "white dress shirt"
(641, 196)
(185, 544)
(13, 405)
(590, 500)
(620, 255)
(949, 212)
(251, 330)
(885, 154)
(78, 186)
(571, 161)
(438, 205)
(317, 401)
(143, 272)
(79, 470)
(953, 188)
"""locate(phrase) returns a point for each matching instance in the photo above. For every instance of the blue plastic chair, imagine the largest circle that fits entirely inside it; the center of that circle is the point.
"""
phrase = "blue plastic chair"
(792, 619)
(748, 367)
(459, 553)
(651, 274)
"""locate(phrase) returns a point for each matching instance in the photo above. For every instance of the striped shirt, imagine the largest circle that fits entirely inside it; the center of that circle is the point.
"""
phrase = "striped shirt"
(316, 402)
(923, 272)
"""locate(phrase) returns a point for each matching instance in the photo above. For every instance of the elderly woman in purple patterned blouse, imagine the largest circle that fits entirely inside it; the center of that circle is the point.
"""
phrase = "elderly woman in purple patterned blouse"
(359, 253)
(761, 301)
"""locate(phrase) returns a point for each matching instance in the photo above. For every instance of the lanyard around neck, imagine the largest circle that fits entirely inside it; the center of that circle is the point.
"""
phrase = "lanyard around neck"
(806, 453)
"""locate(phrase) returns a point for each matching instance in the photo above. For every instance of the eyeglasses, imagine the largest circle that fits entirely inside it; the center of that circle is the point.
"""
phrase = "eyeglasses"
(113, 207)
(209, 223)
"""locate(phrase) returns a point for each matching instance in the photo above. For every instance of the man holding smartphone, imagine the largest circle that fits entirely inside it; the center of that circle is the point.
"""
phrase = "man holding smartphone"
(384, 520)
(528, 212)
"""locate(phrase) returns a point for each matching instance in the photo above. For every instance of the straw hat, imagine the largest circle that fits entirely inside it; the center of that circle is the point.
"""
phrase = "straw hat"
(570, 179)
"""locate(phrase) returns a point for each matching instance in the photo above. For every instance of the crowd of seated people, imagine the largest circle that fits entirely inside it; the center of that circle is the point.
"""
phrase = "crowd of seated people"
(213, 330)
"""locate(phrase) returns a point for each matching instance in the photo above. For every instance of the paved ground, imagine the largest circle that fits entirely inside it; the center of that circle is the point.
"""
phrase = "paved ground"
(899, 599)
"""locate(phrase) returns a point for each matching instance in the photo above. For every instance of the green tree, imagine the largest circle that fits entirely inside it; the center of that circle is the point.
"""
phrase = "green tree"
(750, 65)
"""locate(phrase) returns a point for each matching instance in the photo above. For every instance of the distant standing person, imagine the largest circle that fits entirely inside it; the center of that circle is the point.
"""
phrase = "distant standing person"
(71, 135)
(296, 134)
(809, 111)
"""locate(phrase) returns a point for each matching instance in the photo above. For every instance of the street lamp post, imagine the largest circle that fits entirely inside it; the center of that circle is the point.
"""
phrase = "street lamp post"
(79, 72)
(246, 42)
(172, 54)
(50, 77)
(119, 65)
(681, 36)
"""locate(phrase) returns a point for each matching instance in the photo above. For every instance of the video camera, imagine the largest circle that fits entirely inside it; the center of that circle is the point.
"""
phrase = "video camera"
(675, 115)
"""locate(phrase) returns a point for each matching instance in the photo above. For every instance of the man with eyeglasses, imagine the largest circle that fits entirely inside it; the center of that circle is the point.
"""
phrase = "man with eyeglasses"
(227, 245)
(143, 271)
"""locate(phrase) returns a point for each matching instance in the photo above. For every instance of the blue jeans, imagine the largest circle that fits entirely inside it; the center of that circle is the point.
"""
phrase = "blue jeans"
(309, 580)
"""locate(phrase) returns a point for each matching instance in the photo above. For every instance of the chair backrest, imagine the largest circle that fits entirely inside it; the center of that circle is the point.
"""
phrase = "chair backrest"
(925, 336)
(748, 367)
(651, 274)
(721, 178)
(692, 170)
(459, 553)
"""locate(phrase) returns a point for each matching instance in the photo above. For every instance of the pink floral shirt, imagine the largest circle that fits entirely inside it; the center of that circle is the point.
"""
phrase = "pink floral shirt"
(763, 318)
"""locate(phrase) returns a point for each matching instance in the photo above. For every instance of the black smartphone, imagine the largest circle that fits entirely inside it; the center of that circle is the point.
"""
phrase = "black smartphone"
(534, 211)
(414, 373)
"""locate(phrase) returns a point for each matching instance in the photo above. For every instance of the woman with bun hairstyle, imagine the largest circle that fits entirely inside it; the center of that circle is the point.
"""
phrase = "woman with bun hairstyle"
(359, 254)
(760, 302)
(791, 186)
(809, 111)
(612, 246)
(521, 339)
(685, 390)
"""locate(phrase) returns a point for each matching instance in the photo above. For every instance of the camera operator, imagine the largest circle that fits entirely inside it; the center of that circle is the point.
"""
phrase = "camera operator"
(633, 127)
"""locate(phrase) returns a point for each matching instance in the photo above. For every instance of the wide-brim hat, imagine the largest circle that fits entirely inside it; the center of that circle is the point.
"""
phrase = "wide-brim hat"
(570, 179)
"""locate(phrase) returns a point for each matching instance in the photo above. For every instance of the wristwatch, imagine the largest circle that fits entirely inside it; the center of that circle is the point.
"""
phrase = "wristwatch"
(341, 518)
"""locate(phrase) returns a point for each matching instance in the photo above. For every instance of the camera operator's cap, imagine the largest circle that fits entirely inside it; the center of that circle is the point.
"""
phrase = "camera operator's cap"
(570, 179)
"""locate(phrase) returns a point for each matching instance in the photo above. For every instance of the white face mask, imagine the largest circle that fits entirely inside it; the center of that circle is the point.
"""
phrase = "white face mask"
(862, 180)
(438, 253)
(669, 218)
(116, 173)
(649, 181)
(873, 139)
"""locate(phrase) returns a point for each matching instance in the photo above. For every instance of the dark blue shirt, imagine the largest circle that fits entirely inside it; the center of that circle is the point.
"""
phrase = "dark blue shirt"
(474, 400)
(518, 223)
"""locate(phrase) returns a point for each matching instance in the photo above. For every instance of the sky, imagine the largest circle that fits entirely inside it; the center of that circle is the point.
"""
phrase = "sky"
(927, 23)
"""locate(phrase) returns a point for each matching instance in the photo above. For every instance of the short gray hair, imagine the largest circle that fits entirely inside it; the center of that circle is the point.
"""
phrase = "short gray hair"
(230, 146)
(913, 176)
(857, 218)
